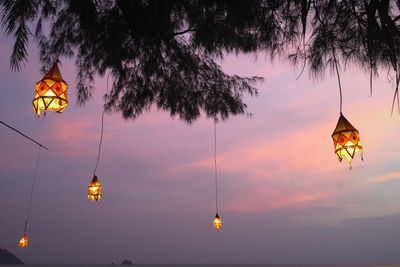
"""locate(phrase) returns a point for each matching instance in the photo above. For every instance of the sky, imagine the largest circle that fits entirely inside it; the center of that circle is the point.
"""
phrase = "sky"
(283, 195)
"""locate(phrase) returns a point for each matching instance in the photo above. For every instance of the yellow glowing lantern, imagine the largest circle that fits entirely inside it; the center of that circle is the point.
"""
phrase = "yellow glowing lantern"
(217, 222)
(346, 140)
(23, 242)
(94, 193)
(50, 92)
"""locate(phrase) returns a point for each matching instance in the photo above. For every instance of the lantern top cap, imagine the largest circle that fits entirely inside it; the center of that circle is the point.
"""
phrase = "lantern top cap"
(95, 181)
(343, 125)
(216, 216)
(54, 74)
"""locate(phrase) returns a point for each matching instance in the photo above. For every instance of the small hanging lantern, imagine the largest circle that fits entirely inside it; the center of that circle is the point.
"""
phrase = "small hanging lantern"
(50, 92)
(23, 242)
(346, 140)
(217, 222)
(94, 193)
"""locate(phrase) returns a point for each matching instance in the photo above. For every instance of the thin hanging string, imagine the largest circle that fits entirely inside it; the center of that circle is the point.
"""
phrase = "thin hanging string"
(101, 141)
(396, 94)
(31, 194)
(370, 76)
(215, 165)
(305, 57)
(338, 77)
(102, 130)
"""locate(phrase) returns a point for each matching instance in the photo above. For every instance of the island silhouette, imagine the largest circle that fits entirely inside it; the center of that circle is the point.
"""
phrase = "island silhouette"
(6, 257)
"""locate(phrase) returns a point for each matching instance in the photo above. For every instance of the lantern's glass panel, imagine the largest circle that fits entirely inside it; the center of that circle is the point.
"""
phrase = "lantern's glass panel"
(49, 93)
(49, 82)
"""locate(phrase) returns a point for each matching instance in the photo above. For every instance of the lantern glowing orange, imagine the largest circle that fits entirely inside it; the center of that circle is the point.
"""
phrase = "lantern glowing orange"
(94, 193)
(50, 92)
(346, 140)
(217, 222)
(23, 242)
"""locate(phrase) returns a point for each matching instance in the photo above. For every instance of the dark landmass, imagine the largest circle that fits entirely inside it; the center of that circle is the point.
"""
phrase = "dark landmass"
(7, 257)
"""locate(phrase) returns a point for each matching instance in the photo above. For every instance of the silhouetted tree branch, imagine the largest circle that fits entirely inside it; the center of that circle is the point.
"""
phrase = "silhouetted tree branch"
(162, 52)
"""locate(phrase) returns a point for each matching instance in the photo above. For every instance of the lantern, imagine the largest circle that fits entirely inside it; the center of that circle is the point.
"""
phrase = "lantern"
(50, 92)
(217, 222)
(94, 190)
(23, 242)
(346, 140)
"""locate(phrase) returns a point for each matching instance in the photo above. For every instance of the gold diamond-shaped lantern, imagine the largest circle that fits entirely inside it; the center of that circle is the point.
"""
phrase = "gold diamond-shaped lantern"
(346, 140)
(50, 92)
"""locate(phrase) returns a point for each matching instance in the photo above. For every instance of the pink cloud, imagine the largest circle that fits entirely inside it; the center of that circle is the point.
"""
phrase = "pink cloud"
(307, 149)
(271, 162)
(386, 177)
(72, 136)
(267, 198)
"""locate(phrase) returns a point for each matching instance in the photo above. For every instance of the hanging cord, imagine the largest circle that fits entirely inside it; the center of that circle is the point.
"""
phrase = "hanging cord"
(396, 94)
(215, 164)
(101, 141)
(31, 194)
(338, 77)
(102, 130)
(370, 77)
(27, 137)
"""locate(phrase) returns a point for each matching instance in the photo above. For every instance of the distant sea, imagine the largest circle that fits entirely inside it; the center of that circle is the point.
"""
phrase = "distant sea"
(219, 265)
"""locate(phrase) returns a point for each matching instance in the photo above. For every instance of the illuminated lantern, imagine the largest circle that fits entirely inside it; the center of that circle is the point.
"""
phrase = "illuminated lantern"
(23, 242)
(217, 222)
(346, 140)
(50, 92)
(94, 190)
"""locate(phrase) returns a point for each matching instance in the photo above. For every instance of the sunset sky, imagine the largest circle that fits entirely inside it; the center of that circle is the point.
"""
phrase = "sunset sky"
(284, 196)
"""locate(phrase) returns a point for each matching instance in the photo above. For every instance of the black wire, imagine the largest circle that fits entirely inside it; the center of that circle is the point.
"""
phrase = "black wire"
(102, 130)
(396, 94)
(215, 165)
(33, 186)
(101, 141)
(12, 128)
(338, 77)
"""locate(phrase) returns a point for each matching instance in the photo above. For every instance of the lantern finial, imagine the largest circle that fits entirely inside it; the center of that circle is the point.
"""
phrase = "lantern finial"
(50, 92)
(94, 192)
(346, 140)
